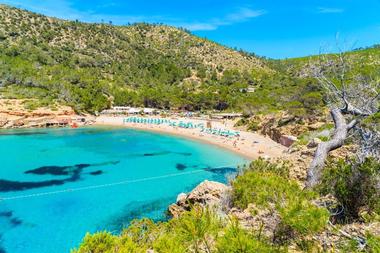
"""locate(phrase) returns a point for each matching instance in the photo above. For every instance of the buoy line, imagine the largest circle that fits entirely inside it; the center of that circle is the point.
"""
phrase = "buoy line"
(91, 187)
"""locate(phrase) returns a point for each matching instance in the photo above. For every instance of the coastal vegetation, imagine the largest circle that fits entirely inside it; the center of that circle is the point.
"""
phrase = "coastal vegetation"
(303, 221)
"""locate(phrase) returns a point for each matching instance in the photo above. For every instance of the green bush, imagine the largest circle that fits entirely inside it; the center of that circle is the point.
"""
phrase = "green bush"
(264, 185)
(354, 184)
(197, 228)
(102, 242)
(373, 243)
(194, 230)
(253, 126)
(236, 239)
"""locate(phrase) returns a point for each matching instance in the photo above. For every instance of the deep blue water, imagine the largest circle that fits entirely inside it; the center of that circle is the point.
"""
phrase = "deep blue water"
(58, 184)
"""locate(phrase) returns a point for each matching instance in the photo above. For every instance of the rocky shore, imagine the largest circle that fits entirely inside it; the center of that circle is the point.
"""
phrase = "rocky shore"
(216, 196)
(14, 114)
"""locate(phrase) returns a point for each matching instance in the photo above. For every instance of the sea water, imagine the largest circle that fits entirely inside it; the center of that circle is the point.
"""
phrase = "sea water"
(58, 184)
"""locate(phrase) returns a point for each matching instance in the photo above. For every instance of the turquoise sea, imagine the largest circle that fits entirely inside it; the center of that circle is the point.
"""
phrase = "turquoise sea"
(58, 184)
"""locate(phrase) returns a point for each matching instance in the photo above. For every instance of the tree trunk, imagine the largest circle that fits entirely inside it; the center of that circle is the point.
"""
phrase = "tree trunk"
(340, 134)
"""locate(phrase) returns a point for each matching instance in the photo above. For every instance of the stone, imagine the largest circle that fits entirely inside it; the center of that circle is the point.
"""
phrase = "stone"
(207, 193)
(314, 143)
(287, 140)
(181, 197)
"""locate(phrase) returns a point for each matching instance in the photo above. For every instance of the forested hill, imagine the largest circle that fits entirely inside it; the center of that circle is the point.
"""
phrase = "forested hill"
(89, 65)
(93, 66)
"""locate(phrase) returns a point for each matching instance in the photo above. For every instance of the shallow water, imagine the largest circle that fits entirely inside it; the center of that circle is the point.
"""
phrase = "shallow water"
(58, 184)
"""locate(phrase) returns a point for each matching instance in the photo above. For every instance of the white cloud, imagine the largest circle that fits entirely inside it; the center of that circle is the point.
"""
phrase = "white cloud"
(243, 15)
(198, 26)
(327, 10)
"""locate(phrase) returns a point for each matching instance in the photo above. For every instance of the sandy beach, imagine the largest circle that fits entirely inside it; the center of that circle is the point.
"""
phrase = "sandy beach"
(249, 145)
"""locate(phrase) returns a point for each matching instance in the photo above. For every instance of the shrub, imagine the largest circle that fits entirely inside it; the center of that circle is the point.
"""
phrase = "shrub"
(354, 184)
(101, 242)
(236, 239)
(279, 168)
(197, 228)
(264, 185)
(253, 126)
(373, 243)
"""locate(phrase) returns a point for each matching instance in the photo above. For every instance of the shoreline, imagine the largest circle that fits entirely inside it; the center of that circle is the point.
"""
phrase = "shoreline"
(249, 145)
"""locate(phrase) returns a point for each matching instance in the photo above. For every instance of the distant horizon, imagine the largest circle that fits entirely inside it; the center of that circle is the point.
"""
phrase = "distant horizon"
(276, 31)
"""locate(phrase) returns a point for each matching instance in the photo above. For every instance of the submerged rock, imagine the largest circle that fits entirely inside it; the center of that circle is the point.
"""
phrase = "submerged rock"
(208, 193)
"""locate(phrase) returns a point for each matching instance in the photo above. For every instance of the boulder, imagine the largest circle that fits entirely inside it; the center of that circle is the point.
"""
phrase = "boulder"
(208, 193)
(287, 140)
(181, 197)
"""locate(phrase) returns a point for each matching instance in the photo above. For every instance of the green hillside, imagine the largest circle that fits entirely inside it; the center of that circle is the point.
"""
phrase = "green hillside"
(363, 60)
(91, 66)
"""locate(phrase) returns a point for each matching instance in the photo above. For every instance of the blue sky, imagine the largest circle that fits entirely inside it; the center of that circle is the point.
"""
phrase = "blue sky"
(272, 28)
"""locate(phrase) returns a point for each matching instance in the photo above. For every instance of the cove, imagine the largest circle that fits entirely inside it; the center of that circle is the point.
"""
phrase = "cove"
(58, 184)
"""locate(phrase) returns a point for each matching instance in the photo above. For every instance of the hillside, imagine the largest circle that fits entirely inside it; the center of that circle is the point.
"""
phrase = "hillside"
(362, 59)
(93, 66)
(90, 65)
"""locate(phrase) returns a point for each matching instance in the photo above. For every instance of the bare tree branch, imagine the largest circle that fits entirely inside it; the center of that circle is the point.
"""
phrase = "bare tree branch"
(320, 156)
(351, 97)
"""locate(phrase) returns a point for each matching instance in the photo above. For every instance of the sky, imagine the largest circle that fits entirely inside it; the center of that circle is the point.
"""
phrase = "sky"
(271, 28)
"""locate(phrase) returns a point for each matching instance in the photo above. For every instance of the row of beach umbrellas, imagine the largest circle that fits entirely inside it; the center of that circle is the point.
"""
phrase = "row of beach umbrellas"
(181, 124)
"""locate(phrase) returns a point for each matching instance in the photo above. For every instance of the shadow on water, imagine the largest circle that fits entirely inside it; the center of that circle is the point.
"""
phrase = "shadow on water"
(21, 133)
(221, 170)
(221, 174)
(138, 210)
(166, 153)
(9, 217)
(65, 170)
(181, 166)
(96, 173)
(2, 250)
(74, 172)
(8, 185)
